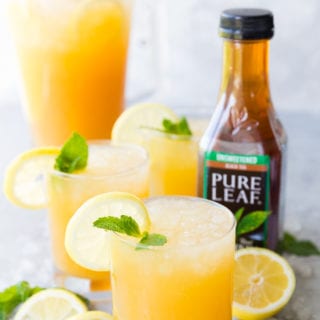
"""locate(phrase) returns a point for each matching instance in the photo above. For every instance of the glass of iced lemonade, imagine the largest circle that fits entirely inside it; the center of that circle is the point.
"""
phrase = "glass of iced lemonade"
(182, 267)
(72, 58)
(110, 167)
(172, 145)
(190, 277)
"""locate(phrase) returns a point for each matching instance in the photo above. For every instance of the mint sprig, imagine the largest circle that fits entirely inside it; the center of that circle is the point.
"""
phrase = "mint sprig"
(250, 221)
(290, 244)
(152, 239)
(73, 155)
(127, 225)
(12, 296)
(179, 128)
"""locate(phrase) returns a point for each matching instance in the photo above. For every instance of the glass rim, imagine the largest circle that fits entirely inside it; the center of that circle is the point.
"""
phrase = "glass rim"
(133, 242)
(105, 142)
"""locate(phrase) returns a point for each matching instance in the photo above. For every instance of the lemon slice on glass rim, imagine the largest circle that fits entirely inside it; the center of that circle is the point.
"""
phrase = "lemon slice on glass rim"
(24, 178)
(263, 283)
(51, 304)
(128, 127)
(87, 245)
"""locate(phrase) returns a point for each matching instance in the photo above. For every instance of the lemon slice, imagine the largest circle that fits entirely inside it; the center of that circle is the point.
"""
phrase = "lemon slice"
(51, 304)
(264, 283)
(92, 315)
(24, 178)
(129, 126)
(89, 246)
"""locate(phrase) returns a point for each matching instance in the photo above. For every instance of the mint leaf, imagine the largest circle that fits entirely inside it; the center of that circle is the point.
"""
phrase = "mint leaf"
(239, 214)
(12, 296)
(180, 128)
(251, 222)
(73, 155)
(125, 224)
(151, 239)
(130, 225)
(290, 244)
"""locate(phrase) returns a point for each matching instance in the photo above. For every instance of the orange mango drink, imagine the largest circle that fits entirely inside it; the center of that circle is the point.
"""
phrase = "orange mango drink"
(110, 167)
(172, 145)
(72, 57)
(174, 162)
(188, 278)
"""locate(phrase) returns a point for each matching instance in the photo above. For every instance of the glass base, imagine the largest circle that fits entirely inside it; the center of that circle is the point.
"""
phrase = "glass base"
(98, 292)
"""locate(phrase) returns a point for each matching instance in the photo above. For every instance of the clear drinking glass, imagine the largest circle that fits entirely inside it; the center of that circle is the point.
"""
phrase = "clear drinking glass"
(111, 167)
(72, 57)
(190, 277)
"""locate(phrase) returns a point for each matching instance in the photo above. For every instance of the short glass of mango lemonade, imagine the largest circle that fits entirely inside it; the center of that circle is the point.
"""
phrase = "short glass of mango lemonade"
(172, 145)
(182, 267)
(72, 57)
(110, 167)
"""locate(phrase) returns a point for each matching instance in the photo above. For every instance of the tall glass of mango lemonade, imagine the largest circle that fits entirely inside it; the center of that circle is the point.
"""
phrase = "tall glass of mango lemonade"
(111, 167)
(72, 59)
(190, 277)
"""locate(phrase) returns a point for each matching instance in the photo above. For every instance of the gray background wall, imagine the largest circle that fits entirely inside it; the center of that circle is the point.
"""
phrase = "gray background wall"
(188, 52)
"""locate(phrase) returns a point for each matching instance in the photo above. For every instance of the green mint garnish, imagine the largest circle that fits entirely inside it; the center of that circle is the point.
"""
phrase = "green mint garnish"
(249, 222)
(290, 244)
(127, 225)
(73, 155)
(180, 128)
(12, 296)
(153, 239)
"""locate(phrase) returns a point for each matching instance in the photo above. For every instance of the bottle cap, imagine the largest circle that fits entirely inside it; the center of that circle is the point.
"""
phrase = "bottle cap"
(246, 24)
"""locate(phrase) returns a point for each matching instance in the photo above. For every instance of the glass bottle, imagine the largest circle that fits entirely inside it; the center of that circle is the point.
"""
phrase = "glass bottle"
(242, 152)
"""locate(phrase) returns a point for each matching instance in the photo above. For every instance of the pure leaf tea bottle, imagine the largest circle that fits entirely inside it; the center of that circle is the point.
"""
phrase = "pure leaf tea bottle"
(242, 158)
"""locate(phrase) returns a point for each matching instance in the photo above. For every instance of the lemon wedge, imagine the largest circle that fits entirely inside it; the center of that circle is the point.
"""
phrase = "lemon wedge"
(24, 182)
(51, 304)
(89, 246)
(264, 283)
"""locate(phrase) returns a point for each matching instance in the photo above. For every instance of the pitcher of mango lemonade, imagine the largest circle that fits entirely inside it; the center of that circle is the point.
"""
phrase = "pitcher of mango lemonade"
(72, 58)
(73, 174)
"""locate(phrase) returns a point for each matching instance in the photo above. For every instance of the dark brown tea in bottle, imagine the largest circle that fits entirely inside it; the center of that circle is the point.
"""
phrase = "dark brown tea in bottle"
(242, 153)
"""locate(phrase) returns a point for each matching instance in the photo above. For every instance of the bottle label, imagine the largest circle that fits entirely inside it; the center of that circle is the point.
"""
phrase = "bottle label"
(239, 181)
